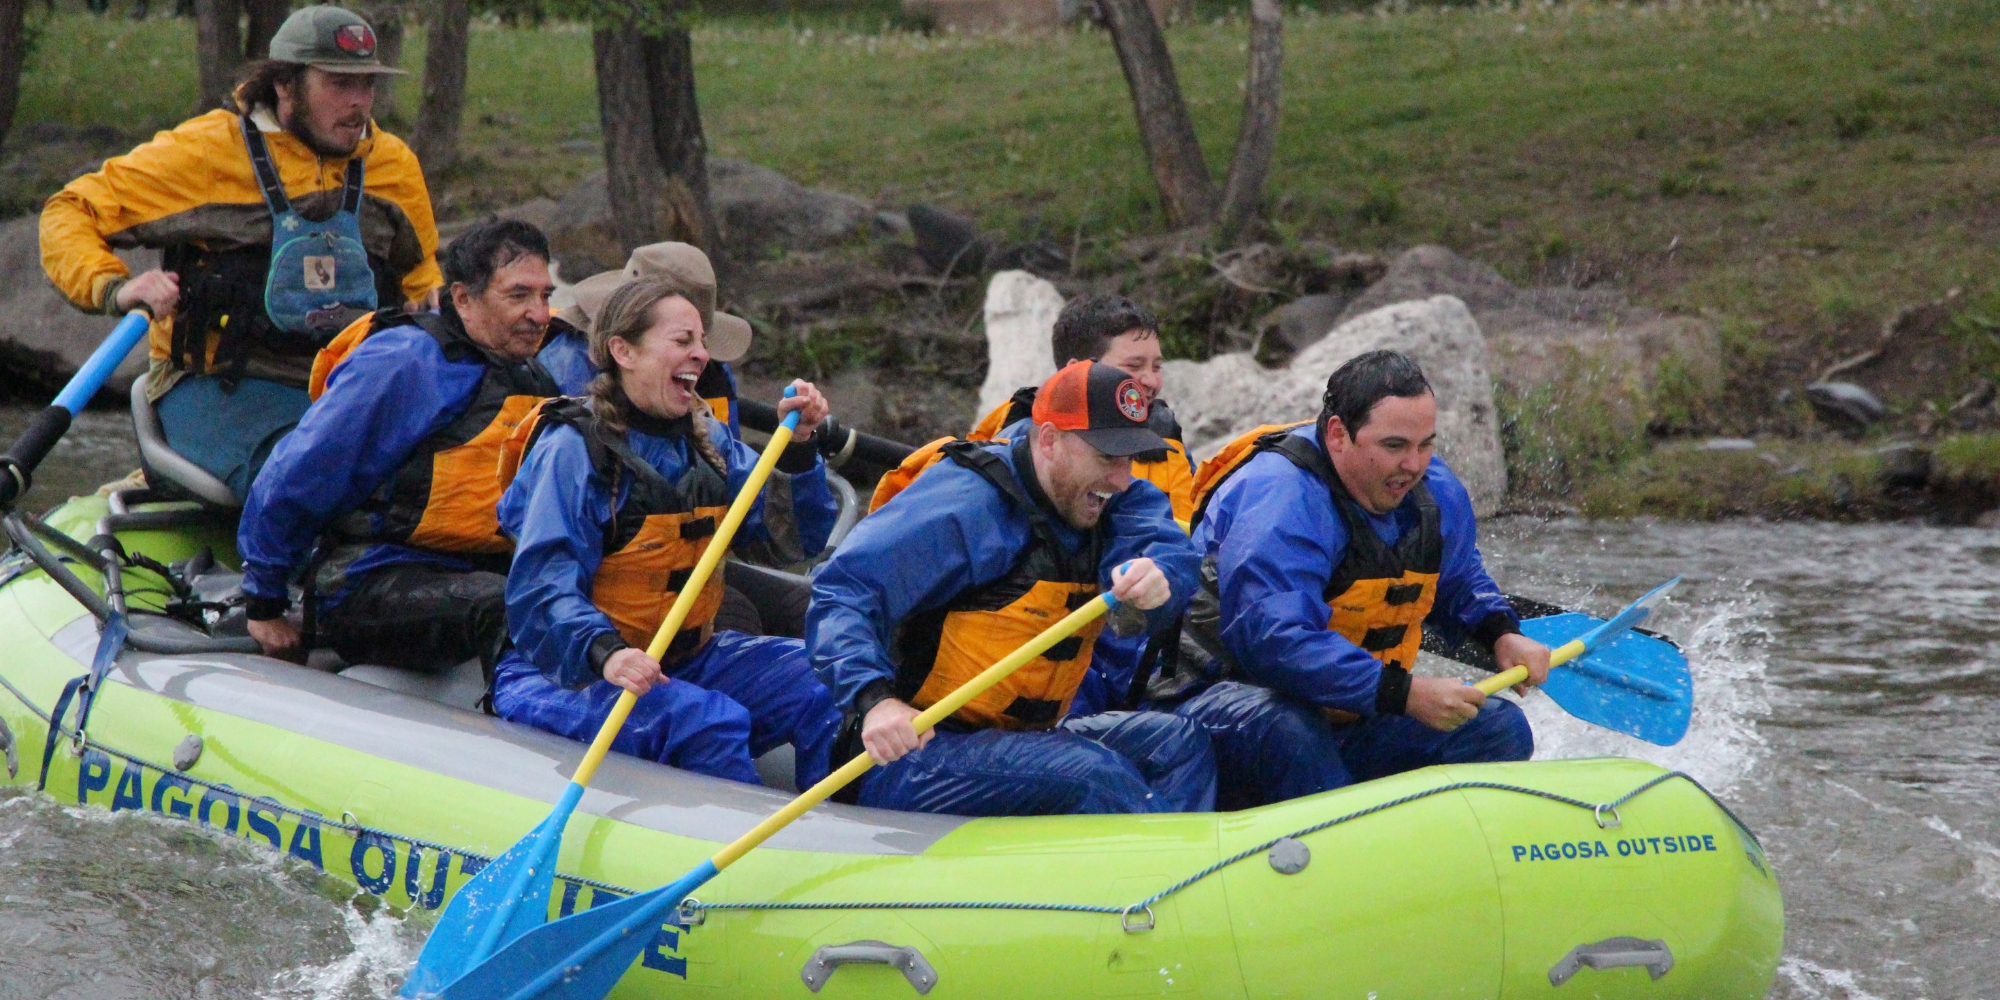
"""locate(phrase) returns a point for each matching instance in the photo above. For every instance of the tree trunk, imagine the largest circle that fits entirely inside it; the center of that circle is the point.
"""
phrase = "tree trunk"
(387, 19)
(1187, 192)
(1257, 136)
(219, 49)
(634, 180)
(448, 39)
(13, 54)
(265, 17)
(678, 140)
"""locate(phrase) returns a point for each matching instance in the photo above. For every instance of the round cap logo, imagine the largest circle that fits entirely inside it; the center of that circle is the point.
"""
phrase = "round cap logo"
(1131, 402)
(355, 39)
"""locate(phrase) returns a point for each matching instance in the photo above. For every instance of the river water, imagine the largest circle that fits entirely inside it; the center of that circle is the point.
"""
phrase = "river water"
(1847, 681)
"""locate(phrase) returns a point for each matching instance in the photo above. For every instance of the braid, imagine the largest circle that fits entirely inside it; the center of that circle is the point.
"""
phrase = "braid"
(702, 438)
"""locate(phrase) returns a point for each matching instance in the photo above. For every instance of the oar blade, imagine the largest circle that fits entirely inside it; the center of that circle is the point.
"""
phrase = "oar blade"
(452, 947)
(1633, 683)
(581, 956)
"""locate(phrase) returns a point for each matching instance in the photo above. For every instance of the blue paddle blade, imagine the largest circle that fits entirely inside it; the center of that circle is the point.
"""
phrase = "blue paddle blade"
(525, 875)
(581, 956)
(1633, 683)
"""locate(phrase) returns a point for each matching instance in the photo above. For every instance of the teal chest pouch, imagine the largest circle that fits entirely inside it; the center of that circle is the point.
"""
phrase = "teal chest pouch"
(319, 279)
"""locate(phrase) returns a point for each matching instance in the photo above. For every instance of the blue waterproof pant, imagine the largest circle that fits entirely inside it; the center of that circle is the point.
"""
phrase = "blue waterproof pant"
(229, 431)
(1270, 747)
(739, 697)
(1117, 762)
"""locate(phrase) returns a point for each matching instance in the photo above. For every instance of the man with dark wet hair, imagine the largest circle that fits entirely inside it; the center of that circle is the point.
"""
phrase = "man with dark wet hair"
(281, 220)
(1327, 548)
(391, 475)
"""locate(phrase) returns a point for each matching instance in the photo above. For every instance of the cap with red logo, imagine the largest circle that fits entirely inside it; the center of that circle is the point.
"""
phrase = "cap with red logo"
(329, 38)
(1100, 404)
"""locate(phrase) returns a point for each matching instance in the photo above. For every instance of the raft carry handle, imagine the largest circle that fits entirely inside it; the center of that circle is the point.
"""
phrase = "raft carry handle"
(1615, 953)
(908, 961)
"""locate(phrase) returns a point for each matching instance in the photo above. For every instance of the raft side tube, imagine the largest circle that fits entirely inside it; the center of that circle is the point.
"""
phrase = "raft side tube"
(1665, 895)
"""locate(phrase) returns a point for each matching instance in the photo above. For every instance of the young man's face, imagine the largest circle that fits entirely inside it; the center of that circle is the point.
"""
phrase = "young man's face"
(1137, 353)
(1381, 464)
(328, 111)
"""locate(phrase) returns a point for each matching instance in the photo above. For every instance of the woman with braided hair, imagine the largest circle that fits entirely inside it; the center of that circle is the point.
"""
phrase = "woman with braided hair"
(616, 498)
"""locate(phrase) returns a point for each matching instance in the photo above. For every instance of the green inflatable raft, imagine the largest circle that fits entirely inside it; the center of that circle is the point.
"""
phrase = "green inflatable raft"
(1580, 878)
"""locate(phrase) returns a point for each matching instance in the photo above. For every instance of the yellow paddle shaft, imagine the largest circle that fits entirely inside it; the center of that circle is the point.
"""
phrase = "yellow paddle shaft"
(718, 547)
(924, 721)
(1508, 678)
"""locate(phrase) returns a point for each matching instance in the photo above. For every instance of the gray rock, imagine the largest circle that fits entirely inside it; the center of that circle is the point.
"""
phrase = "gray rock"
(893, 226)
(1425, 271)
(1218, 399)
(45, 339)
(947, 241)
(1729, 444)
(1845, 406)
(760, 212)
(1020, 322)
(1300, 323)
(1905, 465)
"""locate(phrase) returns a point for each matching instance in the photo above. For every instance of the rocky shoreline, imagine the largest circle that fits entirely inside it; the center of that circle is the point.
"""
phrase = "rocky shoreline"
(1555, 400)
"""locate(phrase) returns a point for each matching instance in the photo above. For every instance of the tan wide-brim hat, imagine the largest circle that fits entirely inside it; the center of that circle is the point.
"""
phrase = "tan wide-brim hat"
(728, 337)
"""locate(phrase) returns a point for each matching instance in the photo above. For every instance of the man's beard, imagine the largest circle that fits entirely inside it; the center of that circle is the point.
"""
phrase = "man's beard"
(296, 124)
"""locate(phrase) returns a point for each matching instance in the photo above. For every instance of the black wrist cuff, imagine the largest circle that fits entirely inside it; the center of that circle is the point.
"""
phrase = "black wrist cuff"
(799, 456)
(263, 609)
(874, 694)
(601, 649)
(1392, 694)
(1493, 626)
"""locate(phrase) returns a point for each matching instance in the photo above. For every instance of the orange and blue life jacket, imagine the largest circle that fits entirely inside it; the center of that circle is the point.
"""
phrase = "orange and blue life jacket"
(655, 536)
(944, 647)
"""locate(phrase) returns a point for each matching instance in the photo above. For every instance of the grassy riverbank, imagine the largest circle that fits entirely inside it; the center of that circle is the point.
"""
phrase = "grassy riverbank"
(1793, 171)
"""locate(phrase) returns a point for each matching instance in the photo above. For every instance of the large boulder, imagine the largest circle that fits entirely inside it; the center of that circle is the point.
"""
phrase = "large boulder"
(45, 339)
(1021, 314)
(1227, 395)
(760, 212)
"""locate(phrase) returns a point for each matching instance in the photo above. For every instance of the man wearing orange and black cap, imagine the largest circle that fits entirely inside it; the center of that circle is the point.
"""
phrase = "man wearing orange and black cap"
(979, 554)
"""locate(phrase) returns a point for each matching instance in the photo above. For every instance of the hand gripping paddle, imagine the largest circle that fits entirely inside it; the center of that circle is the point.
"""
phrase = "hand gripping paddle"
(510, 897)
(581, 956)
(1616, 678)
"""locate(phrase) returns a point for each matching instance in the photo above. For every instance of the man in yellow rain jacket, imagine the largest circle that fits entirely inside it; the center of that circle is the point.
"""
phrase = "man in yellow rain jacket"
(281, 221)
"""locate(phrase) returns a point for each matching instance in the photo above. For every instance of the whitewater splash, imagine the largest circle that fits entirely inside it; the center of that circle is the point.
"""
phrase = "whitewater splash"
(1725, 646)
(383, 950)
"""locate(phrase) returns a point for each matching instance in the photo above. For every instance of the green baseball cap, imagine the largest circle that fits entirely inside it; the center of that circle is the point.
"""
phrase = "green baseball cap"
(330, 38)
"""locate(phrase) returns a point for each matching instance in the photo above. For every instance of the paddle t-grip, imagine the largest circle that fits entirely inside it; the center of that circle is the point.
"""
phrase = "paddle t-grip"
(17, 466)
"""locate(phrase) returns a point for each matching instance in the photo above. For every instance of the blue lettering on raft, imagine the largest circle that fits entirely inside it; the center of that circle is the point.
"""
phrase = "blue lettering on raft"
(262, 818)
(1575, 850)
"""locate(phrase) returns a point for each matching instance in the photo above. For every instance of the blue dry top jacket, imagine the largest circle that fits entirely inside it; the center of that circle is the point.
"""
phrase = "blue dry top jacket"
(1275, 537)
(396, 389)
(951, 530)
(558, 509)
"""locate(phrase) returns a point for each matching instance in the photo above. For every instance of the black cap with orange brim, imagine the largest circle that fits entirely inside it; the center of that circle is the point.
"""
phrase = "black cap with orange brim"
(1100, 404)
